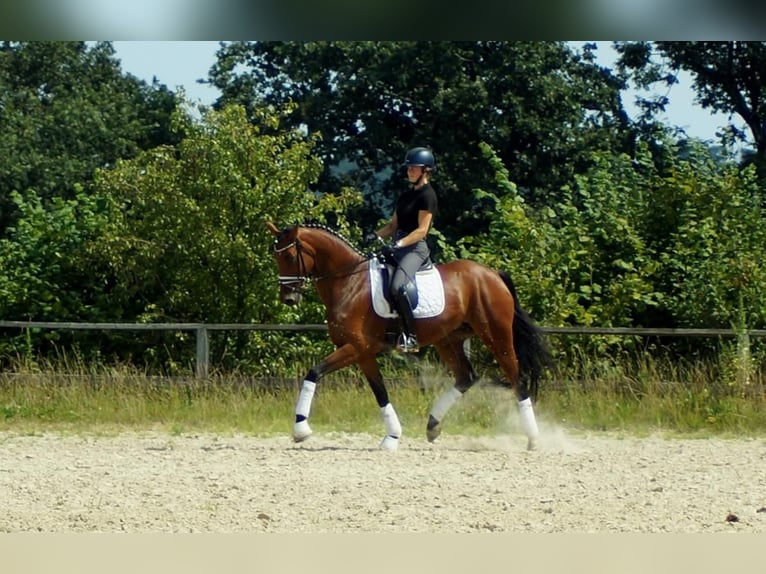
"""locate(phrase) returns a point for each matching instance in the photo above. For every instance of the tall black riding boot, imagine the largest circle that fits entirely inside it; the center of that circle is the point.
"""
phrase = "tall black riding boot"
(408, 340)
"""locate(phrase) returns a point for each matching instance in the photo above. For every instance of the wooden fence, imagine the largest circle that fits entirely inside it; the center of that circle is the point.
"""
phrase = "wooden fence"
(203, 345)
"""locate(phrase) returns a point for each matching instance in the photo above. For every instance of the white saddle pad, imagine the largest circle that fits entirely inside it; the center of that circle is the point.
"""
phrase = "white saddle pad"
(430, 292)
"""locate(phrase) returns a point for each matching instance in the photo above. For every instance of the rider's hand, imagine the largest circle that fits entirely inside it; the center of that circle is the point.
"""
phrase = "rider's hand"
(387, 252)
(372, 238)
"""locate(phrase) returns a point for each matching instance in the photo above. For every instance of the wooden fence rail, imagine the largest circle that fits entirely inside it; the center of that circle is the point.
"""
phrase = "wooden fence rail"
(203, 346)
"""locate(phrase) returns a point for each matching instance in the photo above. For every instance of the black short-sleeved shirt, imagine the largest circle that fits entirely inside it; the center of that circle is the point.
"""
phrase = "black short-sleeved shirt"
(411, 202)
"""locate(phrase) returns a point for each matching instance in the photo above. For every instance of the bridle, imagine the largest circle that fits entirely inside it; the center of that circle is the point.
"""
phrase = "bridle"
(296, 283)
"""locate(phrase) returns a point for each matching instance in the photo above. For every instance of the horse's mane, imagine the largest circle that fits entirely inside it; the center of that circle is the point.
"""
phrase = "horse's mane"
(323, 227)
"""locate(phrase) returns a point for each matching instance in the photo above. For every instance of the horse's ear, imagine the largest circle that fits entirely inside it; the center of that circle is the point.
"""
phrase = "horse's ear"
(273, 228)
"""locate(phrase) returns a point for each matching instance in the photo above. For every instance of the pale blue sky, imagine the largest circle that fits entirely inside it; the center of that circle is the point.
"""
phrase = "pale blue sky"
(175, 64)
(179, 63)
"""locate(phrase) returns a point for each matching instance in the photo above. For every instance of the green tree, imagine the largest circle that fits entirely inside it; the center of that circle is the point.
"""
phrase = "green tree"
(583, 261)
(187, 240)
(45, 272)
(670, 241)
(713, 275)
(540, 105)
(66, 109)
(728, 77)
(43, 275)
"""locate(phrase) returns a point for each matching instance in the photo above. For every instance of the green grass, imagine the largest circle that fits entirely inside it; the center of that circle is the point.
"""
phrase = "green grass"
(648, 396)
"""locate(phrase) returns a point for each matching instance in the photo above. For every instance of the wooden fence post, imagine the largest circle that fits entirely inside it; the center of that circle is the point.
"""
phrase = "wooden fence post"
(203, 352)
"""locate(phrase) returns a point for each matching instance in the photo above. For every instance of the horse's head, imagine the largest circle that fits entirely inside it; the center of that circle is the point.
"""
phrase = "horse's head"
(294, 262)
(312, 252)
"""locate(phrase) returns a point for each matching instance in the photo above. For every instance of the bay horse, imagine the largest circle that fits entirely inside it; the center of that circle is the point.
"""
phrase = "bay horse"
(478, 301)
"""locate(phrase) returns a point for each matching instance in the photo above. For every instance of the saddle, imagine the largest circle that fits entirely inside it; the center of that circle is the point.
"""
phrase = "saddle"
(429, 301)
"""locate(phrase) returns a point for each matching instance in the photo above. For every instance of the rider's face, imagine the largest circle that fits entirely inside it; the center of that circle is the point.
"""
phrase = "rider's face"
(414, 172)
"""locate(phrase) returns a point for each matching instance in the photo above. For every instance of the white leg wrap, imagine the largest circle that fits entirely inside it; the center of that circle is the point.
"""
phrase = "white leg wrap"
(444, 403)
(301, 431)
(391, 420)
(390, 442)
(528, 422)
(303, 407)
(301, 428)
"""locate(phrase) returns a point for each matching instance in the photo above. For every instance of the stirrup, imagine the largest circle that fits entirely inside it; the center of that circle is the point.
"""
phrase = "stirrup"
(408, 344)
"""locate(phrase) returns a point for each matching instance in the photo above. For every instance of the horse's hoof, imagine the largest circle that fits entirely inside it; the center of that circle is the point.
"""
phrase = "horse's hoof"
(433, 429)
(532, 444)
(301, 431)
(390, 443)
(433, 434)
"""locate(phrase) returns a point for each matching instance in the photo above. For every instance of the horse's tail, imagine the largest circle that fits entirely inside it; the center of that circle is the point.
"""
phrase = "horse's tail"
(529, 344)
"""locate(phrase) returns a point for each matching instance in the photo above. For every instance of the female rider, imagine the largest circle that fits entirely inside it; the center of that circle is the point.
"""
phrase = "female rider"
(409, 225)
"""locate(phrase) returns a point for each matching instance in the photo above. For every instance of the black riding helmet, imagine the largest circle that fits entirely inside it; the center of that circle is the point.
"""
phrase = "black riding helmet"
(420, 156)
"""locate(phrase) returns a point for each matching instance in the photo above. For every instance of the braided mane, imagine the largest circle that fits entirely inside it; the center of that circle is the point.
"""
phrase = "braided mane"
(331, 231)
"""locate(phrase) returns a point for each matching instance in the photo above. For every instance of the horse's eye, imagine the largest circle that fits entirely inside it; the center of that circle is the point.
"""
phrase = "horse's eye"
(287, 256)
